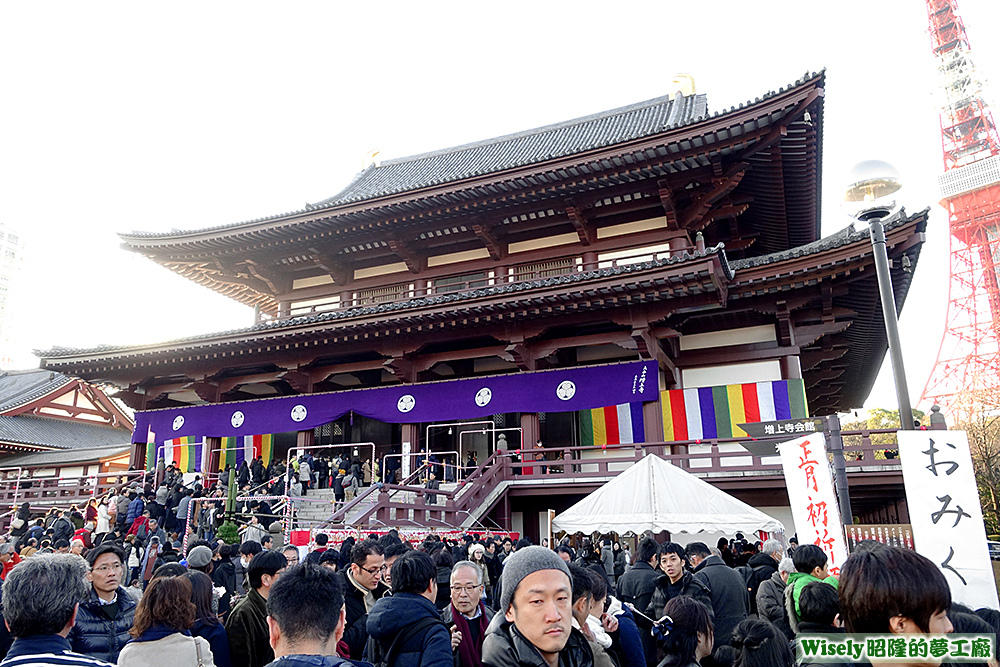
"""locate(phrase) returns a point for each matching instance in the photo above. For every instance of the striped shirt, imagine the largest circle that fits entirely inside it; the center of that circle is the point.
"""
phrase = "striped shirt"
(39, 650)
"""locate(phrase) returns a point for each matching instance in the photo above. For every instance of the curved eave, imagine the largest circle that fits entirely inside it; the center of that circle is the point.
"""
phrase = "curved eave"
(683, 276)
(848, 264)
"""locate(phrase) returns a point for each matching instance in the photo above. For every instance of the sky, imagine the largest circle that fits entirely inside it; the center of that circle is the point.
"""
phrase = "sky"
(122, 116)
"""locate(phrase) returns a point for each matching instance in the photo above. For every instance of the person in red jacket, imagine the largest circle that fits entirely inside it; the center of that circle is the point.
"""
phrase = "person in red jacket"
(9, 558)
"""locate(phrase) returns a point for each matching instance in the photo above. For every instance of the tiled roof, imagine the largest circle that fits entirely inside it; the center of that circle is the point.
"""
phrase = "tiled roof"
(422, 302)
(522, 148)
(20, 387)
(63, 456)
(61, 433)
(845, 236)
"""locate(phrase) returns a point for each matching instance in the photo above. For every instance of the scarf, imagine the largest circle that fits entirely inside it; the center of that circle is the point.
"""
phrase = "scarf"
(469, 655)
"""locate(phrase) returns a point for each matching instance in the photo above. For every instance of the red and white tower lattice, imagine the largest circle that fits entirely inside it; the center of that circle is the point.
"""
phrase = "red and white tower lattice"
(969, 356)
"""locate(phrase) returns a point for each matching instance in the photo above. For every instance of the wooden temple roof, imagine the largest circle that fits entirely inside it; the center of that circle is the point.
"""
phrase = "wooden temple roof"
(824, 296)
(748, 177)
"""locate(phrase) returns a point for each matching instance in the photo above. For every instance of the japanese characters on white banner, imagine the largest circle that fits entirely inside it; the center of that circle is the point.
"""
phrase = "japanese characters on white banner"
(813, 501)
(407, 449)
(945, 513)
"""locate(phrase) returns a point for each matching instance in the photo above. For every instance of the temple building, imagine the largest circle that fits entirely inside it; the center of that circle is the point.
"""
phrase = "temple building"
(647, 277)
(61, 439)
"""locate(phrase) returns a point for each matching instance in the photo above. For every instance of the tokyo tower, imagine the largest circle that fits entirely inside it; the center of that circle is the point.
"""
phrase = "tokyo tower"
(968, 360)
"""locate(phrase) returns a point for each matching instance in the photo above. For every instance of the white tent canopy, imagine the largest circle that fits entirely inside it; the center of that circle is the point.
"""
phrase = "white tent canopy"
(656, 495)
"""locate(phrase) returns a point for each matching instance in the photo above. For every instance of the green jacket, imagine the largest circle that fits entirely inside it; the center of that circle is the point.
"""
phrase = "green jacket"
(799, 580)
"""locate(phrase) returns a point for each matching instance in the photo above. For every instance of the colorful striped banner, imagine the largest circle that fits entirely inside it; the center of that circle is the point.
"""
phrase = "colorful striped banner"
(261, 446)
(236, 450)
(185, 453)
(150, 449)
(703, 413)
(612, 425)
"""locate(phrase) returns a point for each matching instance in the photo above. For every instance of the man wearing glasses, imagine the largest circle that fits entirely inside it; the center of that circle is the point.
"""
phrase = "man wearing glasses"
(291, 554)
(363, 586)
(105, 616)
(467, 615)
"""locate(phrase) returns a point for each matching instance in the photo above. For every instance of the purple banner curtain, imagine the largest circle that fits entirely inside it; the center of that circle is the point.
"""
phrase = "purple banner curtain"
(561, 390)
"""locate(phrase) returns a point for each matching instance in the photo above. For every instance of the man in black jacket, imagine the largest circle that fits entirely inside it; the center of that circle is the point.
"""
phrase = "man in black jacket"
(363, 586)
(536, 615)
(759, 569)
(636, 586)
(246, 627)
(729, 594)
(674, 582)
(103, 619)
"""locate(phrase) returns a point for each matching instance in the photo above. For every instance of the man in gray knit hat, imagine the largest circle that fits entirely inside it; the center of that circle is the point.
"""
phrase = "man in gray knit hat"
(534, 626)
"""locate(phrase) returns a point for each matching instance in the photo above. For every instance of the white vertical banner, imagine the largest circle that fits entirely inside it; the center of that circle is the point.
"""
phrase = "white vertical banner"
(947, 519)
(405, 463)
(810, 493)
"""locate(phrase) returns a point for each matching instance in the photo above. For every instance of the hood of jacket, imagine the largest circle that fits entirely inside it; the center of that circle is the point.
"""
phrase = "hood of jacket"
(391, 615)
(758, 560)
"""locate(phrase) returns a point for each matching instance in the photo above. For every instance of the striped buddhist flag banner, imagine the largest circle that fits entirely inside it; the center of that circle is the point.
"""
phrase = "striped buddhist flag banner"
(184, 453)
(227, 456)
(150, 449)
(703, 413)
(260, 445)
(612, 425)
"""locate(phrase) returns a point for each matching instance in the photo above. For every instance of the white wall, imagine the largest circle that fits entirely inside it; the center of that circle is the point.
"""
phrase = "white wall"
(711, 376)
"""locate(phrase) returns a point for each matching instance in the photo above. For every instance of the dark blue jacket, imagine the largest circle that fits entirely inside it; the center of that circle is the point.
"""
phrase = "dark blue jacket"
(135, 508)
(55, 650)
(215, 635)
(632, 651)
(97, 635)
(316, 661)
(392, 615)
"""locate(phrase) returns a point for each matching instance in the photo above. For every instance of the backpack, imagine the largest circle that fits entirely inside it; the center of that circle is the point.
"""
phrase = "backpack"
(387, 658)
(752, 578)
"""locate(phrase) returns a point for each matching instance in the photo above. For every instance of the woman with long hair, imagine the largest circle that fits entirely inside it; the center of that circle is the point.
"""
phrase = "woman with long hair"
(206, 623)
(90, 511)
(103, 521)
(759, 644)
(689, 633)
(19, 524)
(161, 629)
(477, 554)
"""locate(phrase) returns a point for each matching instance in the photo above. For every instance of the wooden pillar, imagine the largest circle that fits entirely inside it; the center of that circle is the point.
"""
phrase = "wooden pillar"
(137, 460)
(214, 445)
(304, 439)
(652, 421)
(499, 275)
(420, 287)
(590, 261)
(530, 429)
(791, 369)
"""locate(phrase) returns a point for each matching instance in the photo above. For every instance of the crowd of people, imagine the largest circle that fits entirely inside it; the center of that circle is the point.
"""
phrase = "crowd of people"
(475, 602)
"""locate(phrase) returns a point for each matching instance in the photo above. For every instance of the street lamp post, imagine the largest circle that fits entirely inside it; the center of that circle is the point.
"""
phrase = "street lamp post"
(870, 197)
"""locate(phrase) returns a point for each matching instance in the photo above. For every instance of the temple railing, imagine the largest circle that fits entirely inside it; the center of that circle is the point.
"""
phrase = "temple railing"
(461, 282)
(407, 504)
